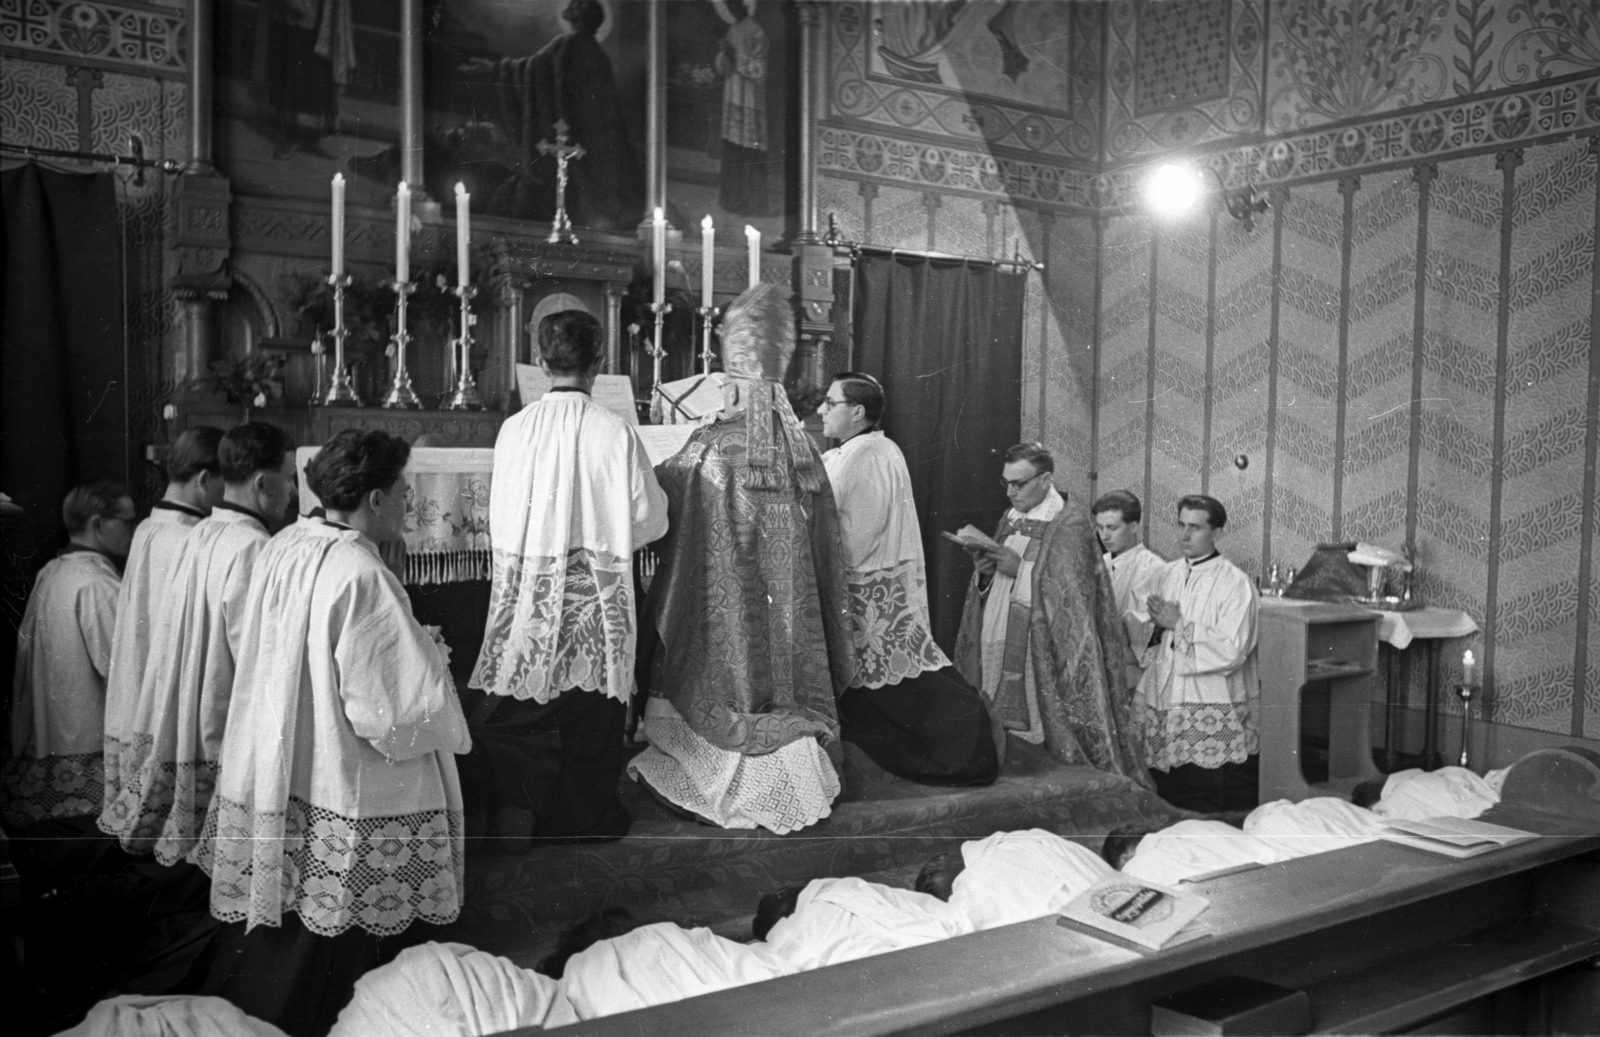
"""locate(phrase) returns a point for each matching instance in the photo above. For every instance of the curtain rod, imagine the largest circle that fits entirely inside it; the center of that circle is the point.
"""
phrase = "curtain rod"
(855, 248)
(136, 159)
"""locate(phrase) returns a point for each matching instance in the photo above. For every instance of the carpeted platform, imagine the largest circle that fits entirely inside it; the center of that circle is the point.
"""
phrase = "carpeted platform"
(672, 869)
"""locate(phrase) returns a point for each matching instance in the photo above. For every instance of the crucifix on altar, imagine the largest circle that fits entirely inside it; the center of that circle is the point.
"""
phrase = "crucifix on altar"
(563, 152)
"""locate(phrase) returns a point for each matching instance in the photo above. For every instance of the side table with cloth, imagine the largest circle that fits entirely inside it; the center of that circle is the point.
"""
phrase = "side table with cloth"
(1430, 624)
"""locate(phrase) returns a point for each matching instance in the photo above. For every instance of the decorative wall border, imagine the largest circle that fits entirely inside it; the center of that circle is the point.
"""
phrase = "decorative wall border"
(1508, 118)
(119, 35)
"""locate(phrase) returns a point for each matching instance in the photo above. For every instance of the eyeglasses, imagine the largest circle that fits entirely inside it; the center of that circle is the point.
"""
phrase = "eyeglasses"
(828, 404)
(1017, 484)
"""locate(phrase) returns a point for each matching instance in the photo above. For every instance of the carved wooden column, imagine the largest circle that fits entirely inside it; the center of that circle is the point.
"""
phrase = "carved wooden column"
(201, 109)
(814, 260)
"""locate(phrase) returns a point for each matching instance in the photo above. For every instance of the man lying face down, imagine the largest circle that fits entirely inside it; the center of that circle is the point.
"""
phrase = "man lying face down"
(1011, 876)
(841, 919)
(1415, 795)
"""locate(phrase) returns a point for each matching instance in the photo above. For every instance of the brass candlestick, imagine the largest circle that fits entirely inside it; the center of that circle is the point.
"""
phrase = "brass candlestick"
(318, 353)
(706, 355)
(1464, 691)
(658, 352)
(341, 391)
(401, 395)
(466, 395)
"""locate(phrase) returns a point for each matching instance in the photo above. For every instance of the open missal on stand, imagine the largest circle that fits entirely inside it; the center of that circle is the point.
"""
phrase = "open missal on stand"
(1454, 836)
(1137, 912)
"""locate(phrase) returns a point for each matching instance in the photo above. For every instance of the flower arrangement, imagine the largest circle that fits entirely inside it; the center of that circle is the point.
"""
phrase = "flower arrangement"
(250, 380)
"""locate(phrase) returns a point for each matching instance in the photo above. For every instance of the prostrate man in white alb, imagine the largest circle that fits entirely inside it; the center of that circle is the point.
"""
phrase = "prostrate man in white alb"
(162, 743)
(1133, 567)
(194, 486)
(841, 919)
(54, 767)
(907, 707)
(574, 496)
(1200, 694)
(335, 829)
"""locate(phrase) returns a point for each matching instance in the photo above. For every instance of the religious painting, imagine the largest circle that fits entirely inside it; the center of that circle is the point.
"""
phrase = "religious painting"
(305, 89)
(731, 75)
(508, 87)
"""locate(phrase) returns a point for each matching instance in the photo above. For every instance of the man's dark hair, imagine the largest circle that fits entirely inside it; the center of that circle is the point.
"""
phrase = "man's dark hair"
(193, 452)
(354, 463)
(570, 341)
(1367, 793)
(1122, 842)
(1121, 501)
(773, 908)
(1216, 514)
(608, 923)
(1034, 453)
(90, 500)
(862, 389)
(938, 877)
(585, 15)
(252, 447)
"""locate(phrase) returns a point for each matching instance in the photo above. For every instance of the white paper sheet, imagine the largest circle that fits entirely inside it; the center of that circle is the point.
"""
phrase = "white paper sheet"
(614, 392)
(662, 441)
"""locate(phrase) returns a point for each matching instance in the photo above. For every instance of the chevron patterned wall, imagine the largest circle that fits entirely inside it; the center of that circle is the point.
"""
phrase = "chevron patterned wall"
(1296, 345)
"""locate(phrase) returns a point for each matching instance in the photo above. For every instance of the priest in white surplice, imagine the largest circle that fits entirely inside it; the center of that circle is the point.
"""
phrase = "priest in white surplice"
(573, 497)
(194, 486)
(53, 762)
(907, 707)
(162, 743)
(1133, 567)
(336, 826)
(1199, 695)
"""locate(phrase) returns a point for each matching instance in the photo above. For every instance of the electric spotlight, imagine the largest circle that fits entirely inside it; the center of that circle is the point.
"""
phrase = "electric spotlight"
(1173, 190)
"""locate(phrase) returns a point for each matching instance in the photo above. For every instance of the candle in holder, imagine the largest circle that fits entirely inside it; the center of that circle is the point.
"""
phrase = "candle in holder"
(708, 237)
(463, 235)
(337, 234)
(402, 233)
(658, 255)
(1469, 669)
(752, 242)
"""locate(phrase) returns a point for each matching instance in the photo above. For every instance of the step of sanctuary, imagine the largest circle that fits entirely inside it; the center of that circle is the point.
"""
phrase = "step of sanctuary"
(670, 868)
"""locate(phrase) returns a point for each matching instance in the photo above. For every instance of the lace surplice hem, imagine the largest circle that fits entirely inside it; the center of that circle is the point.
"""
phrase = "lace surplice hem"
(550, 630)
(1207, 735)
(378, 873)
(66, 785)
(155, 805)
(783, 791)
(889, 625)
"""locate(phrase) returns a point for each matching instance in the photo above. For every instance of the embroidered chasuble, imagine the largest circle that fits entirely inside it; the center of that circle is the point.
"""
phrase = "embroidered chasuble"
(751, 606)
(573, 497)
(1200, 691)
(337, 796)
(1048, 647)
(162, 743)
(146, 589)
(54, 765)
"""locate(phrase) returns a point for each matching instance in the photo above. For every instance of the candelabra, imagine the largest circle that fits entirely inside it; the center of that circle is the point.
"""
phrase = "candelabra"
(317, 364)
(466, 395)
(706, 355)
(401, 395)
(658, 352)
(1464, 692)
(341, 391)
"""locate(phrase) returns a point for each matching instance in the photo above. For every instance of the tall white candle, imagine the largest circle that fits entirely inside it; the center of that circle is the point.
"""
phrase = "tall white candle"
(463, 235)
(402, 233)
(1469, 669)
(708, 237)
(337, 234)
(658, 254)
(752, 244)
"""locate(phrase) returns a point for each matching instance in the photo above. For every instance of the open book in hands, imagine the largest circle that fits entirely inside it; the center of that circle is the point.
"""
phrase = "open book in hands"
(971, 538)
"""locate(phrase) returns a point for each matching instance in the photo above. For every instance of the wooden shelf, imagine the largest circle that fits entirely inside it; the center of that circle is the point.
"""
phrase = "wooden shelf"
(1398, 993)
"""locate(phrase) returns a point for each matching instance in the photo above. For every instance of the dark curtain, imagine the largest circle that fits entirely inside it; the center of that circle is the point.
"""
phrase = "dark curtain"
(945, 339)
(63, 392)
